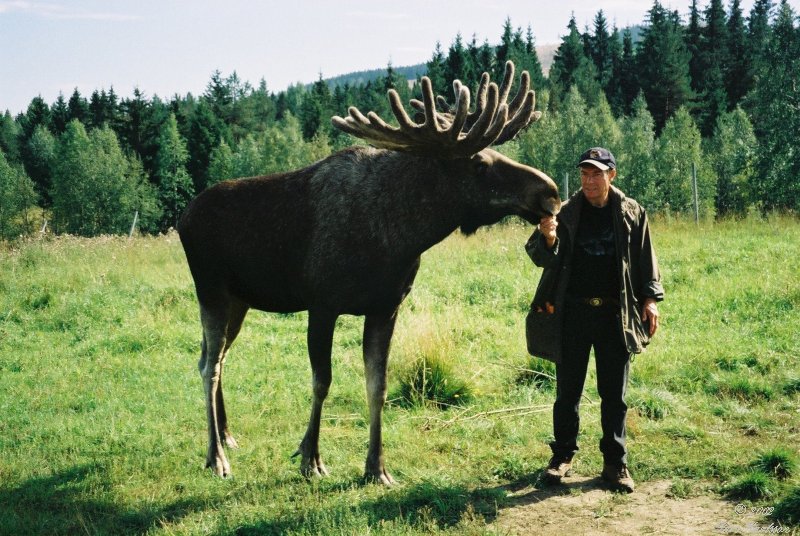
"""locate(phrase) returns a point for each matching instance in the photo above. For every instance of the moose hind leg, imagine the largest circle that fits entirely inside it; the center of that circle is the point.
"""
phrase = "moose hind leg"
(235, 318)
(320, 338)
(378, 331)
(216, 322)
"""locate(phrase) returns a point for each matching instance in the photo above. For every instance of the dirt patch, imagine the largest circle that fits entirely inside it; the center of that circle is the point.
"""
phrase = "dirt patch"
(585, 506)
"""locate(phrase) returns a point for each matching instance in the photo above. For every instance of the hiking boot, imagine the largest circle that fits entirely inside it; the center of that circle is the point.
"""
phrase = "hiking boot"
(618, 477)
(558, 468)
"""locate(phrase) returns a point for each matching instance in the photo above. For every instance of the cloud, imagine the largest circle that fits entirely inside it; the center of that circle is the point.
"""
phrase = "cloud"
(61, 12)
(378, 15)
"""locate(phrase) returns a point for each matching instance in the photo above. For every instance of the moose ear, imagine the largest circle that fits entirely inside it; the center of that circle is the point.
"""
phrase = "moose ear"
(480, 163)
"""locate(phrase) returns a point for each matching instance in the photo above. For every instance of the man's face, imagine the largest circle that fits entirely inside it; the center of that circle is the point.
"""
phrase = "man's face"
(596, 184)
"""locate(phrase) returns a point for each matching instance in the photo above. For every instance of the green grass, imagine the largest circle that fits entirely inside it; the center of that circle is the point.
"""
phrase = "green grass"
(103, 420)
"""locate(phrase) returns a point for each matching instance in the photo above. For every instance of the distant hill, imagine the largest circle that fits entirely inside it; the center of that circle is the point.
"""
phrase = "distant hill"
(413, 72)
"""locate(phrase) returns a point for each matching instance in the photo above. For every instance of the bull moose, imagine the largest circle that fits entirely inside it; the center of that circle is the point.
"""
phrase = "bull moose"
(345, 234)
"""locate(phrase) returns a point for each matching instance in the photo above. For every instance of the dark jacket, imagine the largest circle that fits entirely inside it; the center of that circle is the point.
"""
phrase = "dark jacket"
(639, 276)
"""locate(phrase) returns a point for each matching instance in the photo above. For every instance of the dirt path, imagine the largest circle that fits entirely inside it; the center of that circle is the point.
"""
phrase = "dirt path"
(584, 506)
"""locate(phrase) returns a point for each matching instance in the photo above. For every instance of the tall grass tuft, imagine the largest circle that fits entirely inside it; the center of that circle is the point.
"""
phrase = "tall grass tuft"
(741, 387)
(753, 486)
(778, 462)
(791, 386)
(431, 380)
(652, 403)
(787, 510)
(539, 373)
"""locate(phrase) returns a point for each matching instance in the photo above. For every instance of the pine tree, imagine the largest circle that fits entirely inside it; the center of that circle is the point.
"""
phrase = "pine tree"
(714, 62)
(628, 77)
(486, 59)
(263, 107)
(38, 114)
(10, 133)
(175, 188)
(759, 34)
(458, 65)
(737, 83)
(316, 109)
(218, 95)
(694, 38)
(569, 59)
(206, 132)
(601, 54)
(132, 122)
(97, 109)
(774, 105)
(436, 71)
(533, 65)
(59, 115)
(663, 65)
(613, 88)
(504, 50)
(78, 107)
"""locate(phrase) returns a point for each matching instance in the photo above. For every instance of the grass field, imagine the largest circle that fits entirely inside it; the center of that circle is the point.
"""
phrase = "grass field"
(102, 426)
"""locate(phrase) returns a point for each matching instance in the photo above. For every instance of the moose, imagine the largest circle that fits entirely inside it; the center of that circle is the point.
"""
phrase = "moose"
(345, 234)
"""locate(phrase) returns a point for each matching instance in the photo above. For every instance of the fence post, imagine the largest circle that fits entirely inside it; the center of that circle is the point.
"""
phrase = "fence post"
(133, 225)
(694, 190)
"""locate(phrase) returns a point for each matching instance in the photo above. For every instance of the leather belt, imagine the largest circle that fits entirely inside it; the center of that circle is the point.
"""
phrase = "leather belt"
(595, 301)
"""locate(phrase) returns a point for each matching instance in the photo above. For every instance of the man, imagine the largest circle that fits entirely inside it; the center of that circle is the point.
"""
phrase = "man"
(599, 289)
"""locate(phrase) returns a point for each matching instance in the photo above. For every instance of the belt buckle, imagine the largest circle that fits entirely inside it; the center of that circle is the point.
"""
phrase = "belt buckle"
(595, 302)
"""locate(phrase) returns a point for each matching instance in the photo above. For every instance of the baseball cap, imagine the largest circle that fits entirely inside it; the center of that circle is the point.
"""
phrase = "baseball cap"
(598, 157)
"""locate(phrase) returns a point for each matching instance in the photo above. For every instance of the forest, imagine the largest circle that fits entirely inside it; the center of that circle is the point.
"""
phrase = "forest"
(715, 89)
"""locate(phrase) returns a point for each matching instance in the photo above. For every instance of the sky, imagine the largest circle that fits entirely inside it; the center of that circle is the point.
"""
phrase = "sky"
(168, 47)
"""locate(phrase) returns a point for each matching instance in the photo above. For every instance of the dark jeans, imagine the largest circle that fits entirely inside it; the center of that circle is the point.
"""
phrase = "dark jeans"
(586, 327)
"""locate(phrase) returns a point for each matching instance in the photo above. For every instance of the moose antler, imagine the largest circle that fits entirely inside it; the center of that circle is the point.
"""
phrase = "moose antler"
(452, 134)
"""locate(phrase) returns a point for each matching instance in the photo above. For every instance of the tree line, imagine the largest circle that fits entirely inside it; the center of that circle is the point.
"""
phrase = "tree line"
(717, 90)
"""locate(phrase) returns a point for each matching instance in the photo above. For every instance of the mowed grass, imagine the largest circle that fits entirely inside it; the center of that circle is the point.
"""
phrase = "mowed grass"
(102, 419)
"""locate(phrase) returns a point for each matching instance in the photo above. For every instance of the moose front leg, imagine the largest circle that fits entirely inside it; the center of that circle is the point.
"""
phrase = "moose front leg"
(378, 331)
(320, 339)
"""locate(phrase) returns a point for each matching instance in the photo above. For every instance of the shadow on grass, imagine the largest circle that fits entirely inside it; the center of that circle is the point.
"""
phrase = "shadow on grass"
(426, 506)
(70, 502)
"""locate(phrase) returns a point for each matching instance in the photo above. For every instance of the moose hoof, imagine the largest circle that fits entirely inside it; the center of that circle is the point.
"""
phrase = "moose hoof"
(230, 442)
(219, 466)
(311, 466)
(381, 476)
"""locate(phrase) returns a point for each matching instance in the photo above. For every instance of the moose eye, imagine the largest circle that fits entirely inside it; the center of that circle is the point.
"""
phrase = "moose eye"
(479, 164)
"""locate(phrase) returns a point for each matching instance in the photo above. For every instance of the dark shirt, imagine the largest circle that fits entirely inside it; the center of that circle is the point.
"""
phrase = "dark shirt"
(594, 260)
